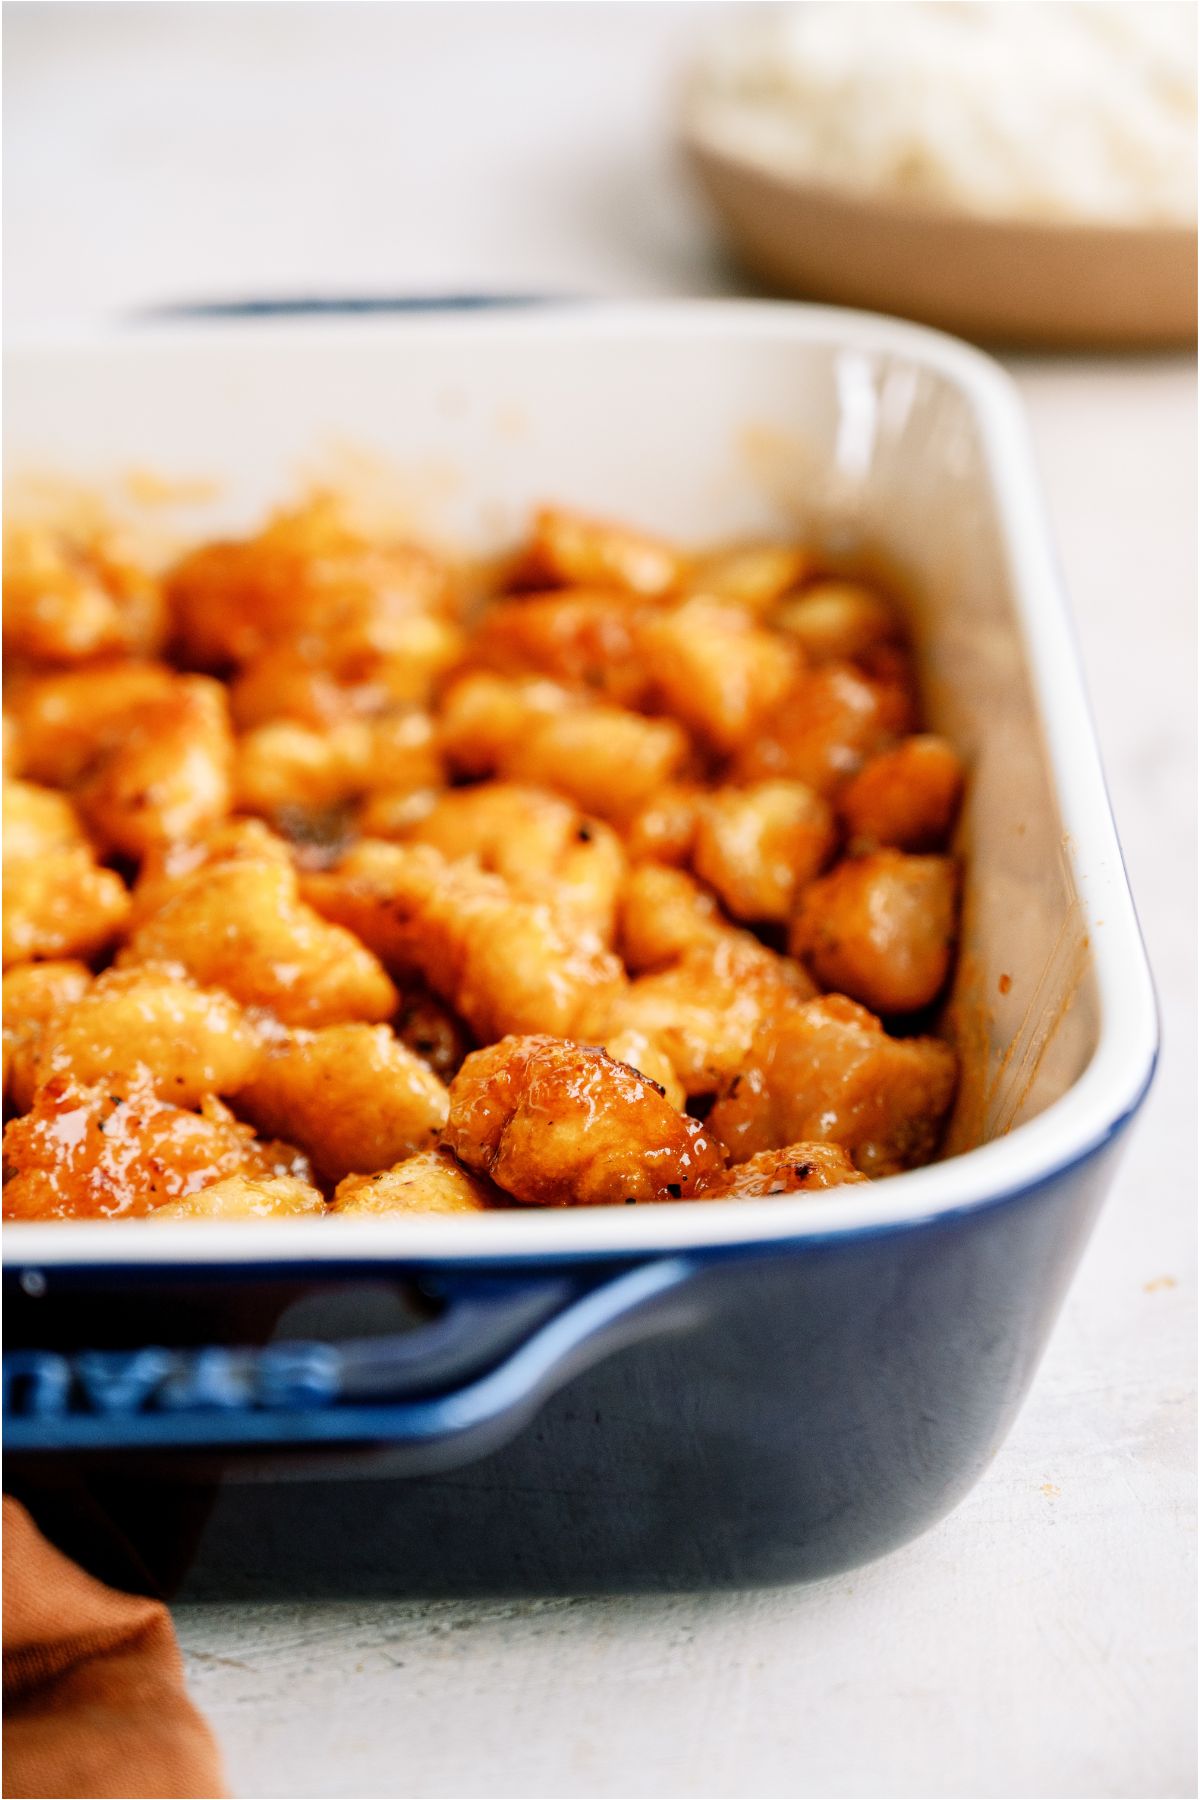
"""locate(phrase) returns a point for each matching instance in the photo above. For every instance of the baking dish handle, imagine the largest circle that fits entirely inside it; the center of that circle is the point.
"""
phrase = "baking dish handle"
(395, 1394)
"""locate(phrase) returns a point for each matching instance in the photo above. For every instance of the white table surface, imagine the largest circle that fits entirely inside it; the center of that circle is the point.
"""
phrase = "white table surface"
(1041, 1640)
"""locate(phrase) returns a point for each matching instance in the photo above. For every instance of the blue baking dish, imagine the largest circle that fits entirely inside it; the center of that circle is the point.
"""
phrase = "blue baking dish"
(614, 1398)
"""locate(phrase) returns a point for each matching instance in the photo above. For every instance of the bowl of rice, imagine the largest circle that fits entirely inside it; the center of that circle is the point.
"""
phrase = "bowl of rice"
(1016, 173)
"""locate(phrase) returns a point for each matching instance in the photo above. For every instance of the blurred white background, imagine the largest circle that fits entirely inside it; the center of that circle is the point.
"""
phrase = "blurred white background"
(1038, 1642)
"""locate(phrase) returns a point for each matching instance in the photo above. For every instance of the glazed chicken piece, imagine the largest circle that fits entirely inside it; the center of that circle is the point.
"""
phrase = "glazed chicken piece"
(58, 902)
(149, 1028)
(71, 594)
(576, 637)
(905, 799)
(828, 1072)
(664, 914)
(242, 926)
(609, 761)
(568, 549)
(796, 1169)
(502, 962)
(561, 1124)
(353, 1097)
(881, 928)
(431, 1182)
(81, 1152)
(34, 995)
(165, 774)
(838, 621)
(643, 1055)
(825, 730)
(66, 720)
(712, 668)
(706, 1010)
(168, 867)
(293, 774)
(760, 846)
(752, 575)
(248, 1197)
(542, 845)
(307, 576)
(664, 828)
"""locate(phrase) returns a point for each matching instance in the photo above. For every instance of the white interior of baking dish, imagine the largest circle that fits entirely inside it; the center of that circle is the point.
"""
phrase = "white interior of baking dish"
(702, 421)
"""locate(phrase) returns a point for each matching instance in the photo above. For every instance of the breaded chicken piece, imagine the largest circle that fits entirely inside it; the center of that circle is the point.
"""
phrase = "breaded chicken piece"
(751, 575)
(81, 1153)
(431, 1182)
(838, 621)
(168, 867)
(881, 928)
(73, 594)
(249, 1197)
(664, 914)
(34, 995)
(542, 845)
(569, 549)
(828, 1072)
(561, 1124)
(58, 902)
(577, 637)
(835, 718)
(308, 573)
(706, 1010)
(166, 775)
(483, 718)
(759, 846)
(38, 822)
(642, 1054)
(505, 964)
(242, 926)
(796, 1169)
(609, 761)
(352, 1096)
(712, 668)
(150, 1028)
(664, 828)
(906, 798)
(65, 720)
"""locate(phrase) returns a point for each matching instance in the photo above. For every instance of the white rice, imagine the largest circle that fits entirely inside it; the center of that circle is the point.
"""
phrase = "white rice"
(1075, 110)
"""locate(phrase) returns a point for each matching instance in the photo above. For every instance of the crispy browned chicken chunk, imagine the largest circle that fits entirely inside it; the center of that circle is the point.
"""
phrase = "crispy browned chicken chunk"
(712, 668)
(577, 637)
(705, 1011)
(568, 549)
(165, 775)
(431, 1182)
(248, 1197)
(504, 963)
(150, 1028)
(58, 902)
(352, 1096)
(71, 593)
(759, 846)
(881, 928)
(81, 1152)
(796, 1169)
(824, 731)
(906, 798)
(542, 845)
(828, 1072)
(65, 720)
(838, 621)
(562, 1124)
(34, 995)
(752, 575)
(242, 926)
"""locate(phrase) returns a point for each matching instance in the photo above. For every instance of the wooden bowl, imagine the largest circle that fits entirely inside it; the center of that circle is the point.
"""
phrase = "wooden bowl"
(1002, 280)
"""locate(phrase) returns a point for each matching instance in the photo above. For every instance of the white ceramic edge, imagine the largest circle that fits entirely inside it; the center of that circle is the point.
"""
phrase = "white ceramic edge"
(1067, 1131)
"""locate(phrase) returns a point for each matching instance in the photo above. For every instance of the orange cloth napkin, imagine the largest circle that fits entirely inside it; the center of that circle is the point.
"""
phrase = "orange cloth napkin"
(94, 1696)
